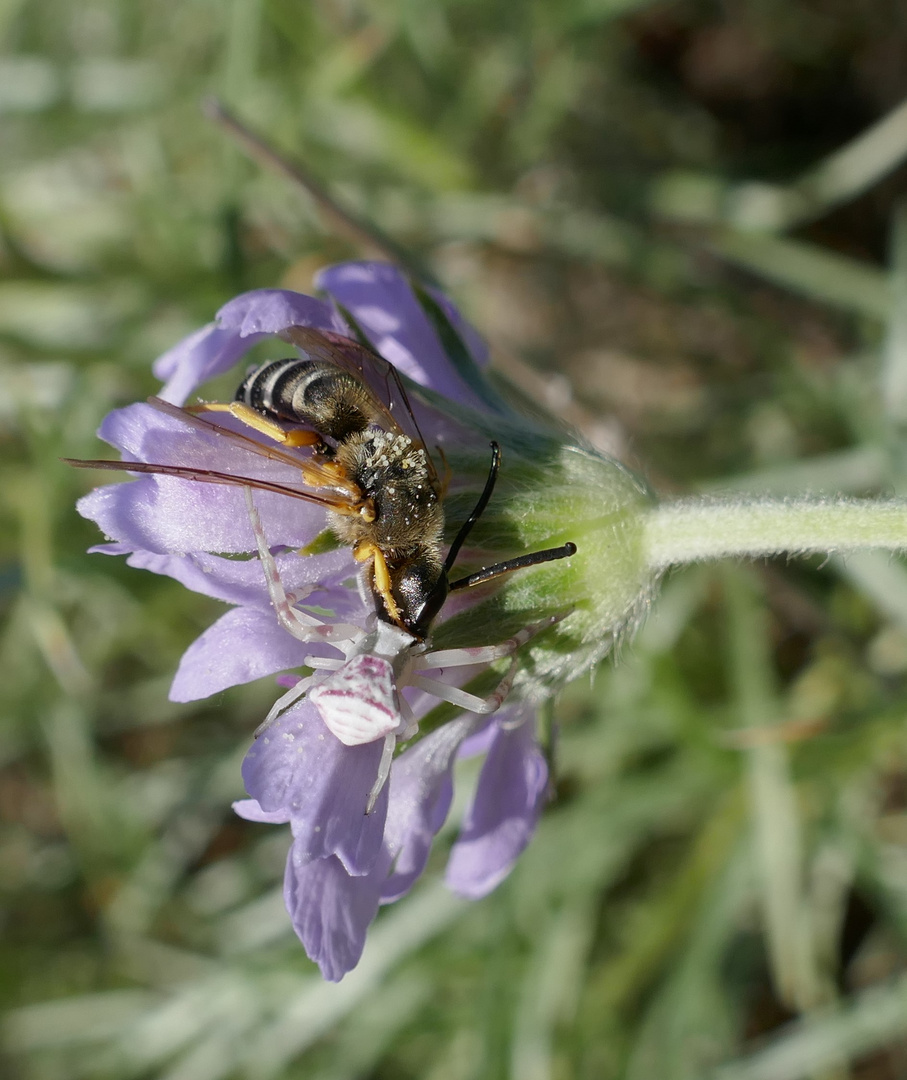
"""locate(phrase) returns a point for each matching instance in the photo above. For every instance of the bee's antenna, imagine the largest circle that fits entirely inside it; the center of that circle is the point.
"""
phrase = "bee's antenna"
(491, 572)
(478, 510)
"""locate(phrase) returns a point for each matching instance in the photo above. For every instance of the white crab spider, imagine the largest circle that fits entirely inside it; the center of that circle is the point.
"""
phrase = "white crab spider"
(360, 700)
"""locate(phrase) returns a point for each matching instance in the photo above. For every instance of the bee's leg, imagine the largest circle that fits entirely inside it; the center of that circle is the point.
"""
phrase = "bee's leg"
(482, 654)
(259, 422)
(292, 438)
(362, 552)
(301, 626)
(384, 771)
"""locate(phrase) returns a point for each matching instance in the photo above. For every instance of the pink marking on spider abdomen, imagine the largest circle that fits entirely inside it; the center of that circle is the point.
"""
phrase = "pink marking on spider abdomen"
(358, 703)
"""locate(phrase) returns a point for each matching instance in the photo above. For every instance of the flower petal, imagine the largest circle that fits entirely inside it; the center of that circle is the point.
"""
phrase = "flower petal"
(472, 339)
(331, 911)
(270, 311)
(144, 433)
(299, 767)
(245, 644)
(241, 323)
(420, 794)
(242, 581)
(164, 514)
(507, 802)
(195, 359)
(381, 300)
(251, 811)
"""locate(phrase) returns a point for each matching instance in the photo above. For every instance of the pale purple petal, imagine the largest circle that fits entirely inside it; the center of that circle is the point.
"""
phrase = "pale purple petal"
(382, 302)
(164, 514)
(331, 911)
(144, 433)
(251, 811)
(241, 323)
(298, 766)
(242, 581)
(245, 644)
(264, 312)
(420, 793)
(472, 339)
(479, 742)
(194, 360)
(506, 806)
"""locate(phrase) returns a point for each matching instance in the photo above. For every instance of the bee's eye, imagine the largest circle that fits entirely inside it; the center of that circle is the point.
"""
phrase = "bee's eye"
(420, 592)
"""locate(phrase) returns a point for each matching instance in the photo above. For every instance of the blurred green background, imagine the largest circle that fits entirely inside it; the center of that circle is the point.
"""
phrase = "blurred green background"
(683, 226)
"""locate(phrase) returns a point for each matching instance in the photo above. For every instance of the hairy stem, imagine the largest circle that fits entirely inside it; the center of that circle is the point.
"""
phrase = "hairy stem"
(692, 530)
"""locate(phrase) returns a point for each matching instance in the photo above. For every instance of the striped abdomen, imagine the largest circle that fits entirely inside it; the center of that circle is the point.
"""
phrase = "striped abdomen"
(320, 395)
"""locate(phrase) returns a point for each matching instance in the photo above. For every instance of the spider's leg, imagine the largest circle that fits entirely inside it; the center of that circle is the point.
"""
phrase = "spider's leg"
(470, 702)
(324, 663)
(282, 704)
(482, 654)
(384, 771)
(303, 627)
(409, 719)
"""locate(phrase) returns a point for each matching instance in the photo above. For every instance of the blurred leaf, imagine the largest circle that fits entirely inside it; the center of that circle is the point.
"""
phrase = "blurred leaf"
(869, 1020)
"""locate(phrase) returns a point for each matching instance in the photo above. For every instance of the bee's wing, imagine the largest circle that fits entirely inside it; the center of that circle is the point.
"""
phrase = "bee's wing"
(329, 500)
(380, 378)
(316, 474)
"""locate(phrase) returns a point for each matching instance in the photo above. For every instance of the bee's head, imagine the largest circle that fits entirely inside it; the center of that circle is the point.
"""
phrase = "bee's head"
(419, 589)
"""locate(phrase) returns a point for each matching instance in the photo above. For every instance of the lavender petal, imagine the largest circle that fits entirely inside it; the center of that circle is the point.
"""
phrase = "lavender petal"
(195, 359)
(382, 302)
(331, 911)
(472, 339)
(242, 581)
(249, 810)
(264, 312)
(421, 789)
(299, 767)
(244, 644)
(506, 806)
(241, 323)
(166, 514)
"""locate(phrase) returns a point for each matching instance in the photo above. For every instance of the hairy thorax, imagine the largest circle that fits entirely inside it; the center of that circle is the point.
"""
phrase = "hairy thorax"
(392, 471)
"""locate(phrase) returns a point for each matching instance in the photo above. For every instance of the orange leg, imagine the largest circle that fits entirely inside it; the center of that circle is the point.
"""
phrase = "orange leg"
(362, 552)
(255, 420)
(317, 473)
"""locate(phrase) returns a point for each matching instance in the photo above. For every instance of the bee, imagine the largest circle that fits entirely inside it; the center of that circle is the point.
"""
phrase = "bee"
(368, 435)
(370, 469)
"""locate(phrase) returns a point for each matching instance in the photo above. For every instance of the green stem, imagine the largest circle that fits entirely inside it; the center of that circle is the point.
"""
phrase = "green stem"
(693, 530)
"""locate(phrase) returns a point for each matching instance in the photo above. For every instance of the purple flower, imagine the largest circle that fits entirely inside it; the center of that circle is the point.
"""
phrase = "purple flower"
(324, 753)
(332, 905)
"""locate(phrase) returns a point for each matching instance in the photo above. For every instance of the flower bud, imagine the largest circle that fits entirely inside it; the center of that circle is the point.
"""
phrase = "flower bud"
(551, 490)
